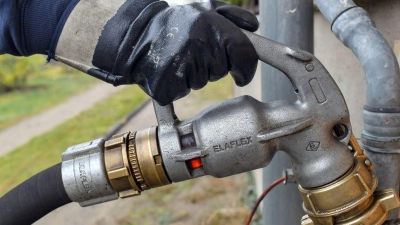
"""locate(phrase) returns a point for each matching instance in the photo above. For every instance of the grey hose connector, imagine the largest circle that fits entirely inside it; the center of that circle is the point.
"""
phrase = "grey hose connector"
(380, 137)
(84, 175)
(333, 9)
(356, 30)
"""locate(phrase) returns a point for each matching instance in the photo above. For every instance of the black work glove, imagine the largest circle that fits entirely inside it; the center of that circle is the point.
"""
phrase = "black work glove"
(165, 50)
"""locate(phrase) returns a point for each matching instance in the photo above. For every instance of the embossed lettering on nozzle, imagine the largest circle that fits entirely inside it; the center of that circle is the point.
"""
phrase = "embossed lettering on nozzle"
(84, 176)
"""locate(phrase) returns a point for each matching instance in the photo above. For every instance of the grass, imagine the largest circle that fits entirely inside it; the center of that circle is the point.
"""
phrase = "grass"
(44, 151)
(40, 94)
(153, 206)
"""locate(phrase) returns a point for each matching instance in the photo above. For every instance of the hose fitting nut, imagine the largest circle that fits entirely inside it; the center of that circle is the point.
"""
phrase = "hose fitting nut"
(133, 162)
(117, 166)
(83, 174)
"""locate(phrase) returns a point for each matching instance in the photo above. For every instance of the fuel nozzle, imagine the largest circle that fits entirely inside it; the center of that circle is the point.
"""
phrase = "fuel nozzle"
(124, 166)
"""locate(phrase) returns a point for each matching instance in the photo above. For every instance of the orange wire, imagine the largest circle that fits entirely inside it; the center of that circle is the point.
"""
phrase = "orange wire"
(253, 211)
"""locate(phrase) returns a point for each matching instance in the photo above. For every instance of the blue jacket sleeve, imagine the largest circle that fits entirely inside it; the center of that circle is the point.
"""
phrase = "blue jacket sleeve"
(27, 26)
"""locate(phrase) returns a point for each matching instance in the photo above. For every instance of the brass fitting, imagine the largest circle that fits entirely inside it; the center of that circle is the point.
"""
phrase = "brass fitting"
(350, 200)
(133, 162)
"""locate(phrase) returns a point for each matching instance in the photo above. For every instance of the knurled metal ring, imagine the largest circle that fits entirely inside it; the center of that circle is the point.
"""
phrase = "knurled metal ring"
(118, 167)
(135, 163)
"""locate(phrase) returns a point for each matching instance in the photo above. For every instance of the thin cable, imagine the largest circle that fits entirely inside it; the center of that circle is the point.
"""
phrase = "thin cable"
(253, 211)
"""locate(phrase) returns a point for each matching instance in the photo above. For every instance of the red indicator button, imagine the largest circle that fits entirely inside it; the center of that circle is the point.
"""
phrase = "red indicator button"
(195, 163)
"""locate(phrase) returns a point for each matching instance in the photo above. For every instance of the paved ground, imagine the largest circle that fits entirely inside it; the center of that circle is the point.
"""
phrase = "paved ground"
(46, 121)
(202, 201)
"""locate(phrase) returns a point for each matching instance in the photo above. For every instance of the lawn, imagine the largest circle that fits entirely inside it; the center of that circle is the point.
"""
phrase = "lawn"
(44, 151)
(215, 201)
(40, 94)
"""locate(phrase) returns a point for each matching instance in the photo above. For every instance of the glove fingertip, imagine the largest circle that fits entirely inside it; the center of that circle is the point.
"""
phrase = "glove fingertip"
(240, 17)
(242, 80)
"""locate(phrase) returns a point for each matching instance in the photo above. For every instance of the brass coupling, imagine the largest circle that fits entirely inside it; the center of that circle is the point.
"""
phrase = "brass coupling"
(350, 200)
(375, 214)
(133, 162)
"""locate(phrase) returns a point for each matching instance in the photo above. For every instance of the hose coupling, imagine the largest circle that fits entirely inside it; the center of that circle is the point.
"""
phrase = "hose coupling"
(351, 199)
(133, 162)
(83, 174)
(124, 166)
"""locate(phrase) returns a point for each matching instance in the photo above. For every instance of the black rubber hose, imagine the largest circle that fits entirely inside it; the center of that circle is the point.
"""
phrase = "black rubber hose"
(34, 198)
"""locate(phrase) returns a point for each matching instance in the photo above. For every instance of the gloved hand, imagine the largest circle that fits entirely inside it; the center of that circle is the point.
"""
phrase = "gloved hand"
(165, 50)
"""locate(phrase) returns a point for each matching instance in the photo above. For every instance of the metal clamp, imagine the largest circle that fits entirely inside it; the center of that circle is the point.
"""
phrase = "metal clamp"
(381, 132)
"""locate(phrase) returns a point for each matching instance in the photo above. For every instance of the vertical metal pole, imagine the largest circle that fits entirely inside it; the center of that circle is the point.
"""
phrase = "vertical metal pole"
(290, 22)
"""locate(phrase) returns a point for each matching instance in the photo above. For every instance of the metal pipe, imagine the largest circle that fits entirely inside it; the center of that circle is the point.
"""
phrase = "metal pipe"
(380, 137)
(333, 9)
(356, 30)
(289, 22)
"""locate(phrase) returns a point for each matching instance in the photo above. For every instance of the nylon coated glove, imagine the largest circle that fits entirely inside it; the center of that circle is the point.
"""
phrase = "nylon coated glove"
(165, 50)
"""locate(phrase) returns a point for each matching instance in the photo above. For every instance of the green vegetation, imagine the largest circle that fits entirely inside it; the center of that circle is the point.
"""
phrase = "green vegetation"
(15, 71)
(28, 86)
(235, 2)
(42, 94)
(44, 151)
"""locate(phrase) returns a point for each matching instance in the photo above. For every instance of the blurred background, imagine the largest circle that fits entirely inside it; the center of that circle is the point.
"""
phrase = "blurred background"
(45, 108)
